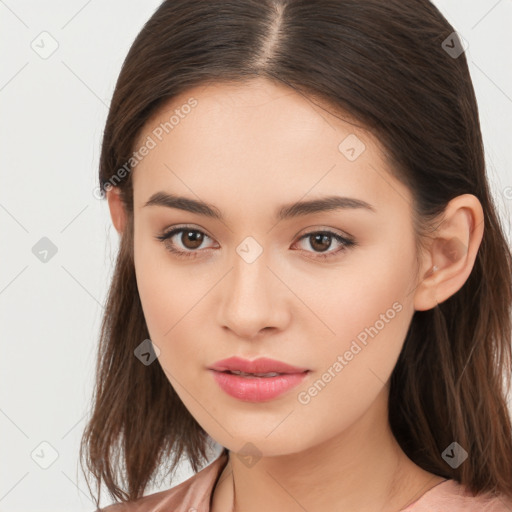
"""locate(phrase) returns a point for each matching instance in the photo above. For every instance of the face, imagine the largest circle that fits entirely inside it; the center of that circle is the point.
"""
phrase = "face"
(327, 290)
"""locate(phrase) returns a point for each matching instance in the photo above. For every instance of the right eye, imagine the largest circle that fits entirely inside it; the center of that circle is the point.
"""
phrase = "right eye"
(189, 238)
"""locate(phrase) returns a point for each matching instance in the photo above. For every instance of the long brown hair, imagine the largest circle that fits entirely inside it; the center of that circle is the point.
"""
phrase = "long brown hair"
(388, 65)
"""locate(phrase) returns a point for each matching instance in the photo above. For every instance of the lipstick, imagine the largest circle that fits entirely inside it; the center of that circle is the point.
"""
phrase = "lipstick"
(256, 381)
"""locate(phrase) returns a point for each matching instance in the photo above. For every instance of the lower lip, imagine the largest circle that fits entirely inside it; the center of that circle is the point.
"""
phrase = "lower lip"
(257, 389)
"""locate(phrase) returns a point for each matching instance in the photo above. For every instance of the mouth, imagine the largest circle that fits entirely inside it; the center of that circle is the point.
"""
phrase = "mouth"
(261, 367)
(258, 375)
(256, 387)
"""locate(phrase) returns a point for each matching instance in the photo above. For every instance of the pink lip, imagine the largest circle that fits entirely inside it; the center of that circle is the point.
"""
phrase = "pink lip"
(256, 389)
(260, 365)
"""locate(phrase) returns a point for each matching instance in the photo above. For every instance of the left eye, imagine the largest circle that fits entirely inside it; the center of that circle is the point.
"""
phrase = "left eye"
(323, 240)
(191, 240)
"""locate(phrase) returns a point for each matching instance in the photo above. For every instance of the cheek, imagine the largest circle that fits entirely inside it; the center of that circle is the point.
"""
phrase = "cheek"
(170, 295)
(369, 311)
(365, 312)
(373, 309)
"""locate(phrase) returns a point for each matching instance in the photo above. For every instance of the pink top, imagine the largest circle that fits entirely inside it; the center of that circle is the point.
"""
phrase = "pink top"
(194, 495)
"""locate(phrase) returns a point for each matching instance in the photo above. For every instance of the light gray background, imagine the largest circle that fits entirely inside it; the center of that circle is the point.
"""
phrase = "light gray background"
(53, 114)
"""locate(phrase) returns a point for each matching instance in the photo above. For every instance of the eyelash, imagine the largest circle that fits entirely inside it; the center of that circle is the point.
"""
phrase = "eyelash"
(346, 243)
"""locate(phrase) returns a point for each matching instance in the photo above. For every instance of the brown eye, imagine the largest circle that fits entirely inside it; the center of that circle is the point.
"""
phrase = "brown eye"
(320, 241)
(191, 239)
(186, 242)
(183, 242)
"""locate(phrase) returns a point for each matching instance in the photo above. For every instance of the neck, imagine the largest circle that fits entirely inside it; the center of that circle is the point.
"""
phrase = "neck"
(363, 468)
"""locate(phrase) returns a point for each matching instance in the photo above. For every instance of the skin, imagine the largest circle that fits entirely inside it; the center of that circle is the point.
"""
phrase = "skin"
(248, 149)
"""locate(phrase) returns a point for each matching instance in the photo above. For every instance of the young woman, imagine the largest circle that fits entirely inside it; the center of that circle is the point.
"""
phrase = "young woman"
(312, 274)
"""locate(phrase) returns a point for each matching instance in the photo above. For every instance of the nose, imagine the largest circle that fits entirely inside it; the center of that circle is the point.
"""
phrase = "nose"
(253, 299)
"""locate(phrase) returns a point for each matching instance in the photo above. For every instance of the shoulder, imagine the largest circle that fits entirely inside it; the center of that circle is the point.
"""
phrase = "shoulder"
(192, 494)
(451, 496)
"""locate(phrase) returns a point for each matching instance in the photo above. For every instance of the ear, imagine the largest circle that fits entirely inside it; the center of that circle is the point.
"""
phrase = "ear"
(117, 210)
(453, 252)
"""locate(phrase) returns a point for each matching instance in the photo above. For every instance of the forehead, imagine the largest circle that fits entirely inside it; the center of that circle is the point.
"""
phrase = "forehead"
(262, 140)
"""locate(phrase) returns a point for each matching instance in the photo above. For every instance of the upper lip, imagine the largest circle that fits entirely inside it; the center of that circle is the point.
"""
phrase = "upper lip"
(260, 365)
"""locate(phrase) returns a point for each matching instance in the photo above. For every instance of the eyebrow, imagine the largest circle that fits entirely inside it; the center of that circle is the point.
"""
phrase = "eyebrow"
(287, 211)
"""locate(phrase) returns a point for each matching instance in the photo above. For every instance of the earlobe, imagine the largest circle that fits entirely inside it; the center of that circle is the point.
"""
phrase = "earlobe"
(116, 207)
(453, 252)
